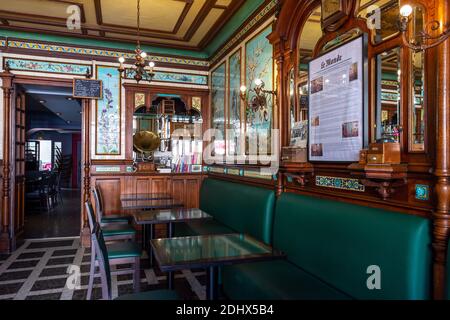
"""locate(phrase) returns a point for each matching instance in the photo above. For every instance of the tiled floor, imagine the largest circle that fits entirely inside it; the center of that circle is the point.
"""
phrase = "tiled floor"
(38, 270)
(62, 221)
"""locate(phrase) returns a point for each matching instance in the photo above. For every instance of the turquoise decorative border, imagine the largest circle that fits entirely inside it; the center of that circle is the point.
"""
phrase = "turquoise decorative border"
(175, 78)
(46, 66)
(232, 42)
(99, 52)
(422, 192)
(340, 183)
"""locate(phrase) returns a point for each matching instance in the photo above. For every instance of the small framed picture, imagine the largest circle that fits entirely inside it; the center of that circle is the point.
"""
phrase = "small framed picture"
(196, 168)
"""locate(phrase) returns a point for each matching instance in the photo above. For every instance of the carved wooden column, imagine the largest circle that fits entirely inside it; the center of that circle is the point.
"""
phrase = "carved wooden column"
(5, 236)
(85, 232)
(441, 213)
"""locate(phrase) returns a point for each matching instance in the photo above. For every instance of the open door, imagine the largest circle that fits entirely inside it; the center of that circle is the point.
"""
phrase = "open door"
(19, 177)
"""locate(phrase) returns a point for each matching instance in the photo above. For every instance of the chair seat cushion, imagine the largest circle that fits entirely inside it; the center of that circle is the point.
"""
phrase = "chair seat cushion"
(115, 218)
(151, 295)
(124, 250)
(275, 280)
(203, 227)
(118, 230)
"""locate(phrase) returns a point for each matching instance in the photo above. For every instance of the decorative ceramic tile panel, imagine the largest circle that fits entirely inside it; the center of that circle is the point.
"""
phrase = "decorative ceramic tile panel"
(48, 67)
(340, 183)
(139, 99)
(197, 103)
(218, 83)
(422, 192)
(175, 77)
(259, 65)
(30, 45)
(234, 102)
(232, 42)
(108, 113)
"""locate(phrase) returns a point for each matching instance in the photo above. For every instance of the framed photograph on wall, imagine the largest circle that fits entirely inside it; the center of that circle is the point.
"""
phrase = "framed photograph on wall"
(338, 103)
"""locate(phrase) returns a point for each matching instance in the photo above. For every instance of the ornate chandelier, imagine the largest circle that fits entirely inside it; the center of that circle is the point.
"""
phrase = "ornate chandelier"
(139, 70)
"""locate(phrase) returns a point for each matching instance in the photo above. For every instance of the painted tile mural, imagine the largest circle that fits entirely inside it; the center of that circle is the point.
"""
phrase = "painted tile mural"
(108, 113)
(175, 77)
(218, 81)
(259, 65)
(234, 99)
(45, 66)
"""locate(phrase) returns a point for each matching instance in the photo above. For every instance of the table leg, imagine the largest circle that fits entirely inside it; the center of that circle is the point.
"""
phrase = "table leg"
(170, 275)
(151, 236)
(212, 292)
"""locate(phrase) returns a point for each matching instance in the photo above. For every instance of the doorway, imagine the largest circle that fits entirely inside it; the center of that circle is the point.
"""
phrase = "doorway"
(49, 165)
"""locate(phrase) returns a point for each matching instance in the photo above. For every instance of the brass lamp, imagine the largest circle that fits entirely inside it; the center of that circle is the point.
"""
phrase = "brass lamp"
(259, 90)
(427, 39)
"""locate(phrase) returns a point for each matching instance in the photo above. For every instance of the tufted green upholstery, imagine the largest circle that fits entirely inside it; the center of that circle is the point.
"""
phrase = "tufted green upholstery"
(275, 280)
(336, 242)
(240, 207)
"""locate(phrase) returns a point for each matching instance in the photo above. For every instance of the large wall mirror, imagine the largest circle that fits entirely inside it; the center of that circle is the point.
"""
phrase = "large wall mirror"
(417, 106)
(168, 133)
(388, 10)
(388, 81)
(308, 39)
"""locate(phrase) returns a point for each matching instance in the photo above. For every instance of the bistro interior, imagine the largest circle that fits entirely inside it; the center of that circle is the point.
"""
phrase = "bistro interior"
(229, 149)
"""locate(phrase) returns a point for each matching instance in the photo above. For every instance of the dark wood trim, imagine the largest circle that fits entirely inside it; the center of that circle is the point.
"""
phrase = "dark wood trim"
(6, 236)
(235, 5)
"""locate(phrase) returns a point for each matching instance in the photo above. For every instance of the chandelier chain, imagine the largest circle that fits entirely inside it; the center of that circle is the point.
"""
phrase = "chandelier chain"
(139, 23)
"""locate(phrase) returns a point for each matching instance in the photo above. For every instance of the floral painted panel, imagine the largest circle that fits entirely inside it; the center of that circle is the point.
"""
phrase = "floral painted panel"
(234, 104)
(259, 65)
(175, 77)
(49, 67)
(108, 113)
(218, 81)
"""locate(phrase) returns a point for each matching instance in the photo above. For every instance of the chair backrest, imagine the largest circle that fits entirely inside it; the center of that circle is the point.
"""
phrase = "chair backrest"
(91, 216)
(98, 202)
(101, 252)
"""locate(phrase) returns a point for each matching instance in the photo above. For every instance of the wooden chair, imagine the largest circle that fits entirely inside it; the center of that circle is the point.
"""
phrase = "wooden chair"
(118, 253)
(99, 209)
(111, 232)
(104, 261)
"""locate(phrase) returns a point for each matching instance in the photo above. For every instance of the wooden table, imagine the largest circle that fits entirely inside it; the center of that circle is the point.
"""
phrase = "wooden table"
(211, 252)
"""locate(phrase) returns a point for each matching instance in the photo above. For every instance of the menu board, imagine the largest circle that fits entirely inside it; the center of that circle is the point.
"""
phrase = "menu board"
(88, 89)
(337, 102)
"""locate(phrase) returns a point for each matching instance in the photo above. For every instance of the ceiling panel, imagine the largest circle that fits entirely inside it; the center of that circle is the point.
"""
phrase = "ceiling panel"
(179, 23)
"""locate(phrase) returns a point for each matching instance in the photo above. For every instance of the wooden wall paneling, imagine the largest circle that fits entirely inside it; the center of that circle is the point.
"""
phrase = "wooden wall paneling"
(110, 188)
(19, 185)
(179, 189)
(442, 170)
(159, 184)
(5, 234)
(192, 193)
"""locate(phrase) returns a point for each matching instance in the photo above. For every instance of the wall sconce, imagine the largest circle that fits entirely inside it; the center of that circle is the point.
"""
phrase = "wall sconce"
(260, 98)
(427, 40)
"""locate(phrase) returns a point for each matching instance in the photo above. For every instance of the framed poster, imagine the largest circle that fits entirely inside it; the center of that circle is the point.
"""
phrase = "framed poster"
(338, 103)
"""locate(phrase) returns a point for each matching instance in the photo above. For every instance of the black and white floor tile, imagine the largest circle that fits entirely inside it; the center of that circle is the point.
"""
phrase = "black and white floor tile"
(39, 270)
